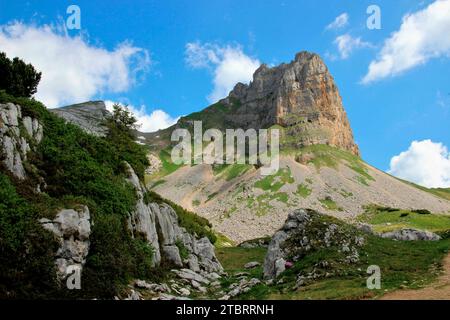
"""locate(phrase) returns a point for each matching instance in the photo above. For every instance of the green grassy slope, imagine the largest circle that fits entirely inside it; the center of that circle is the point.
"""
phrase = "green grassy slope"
(403, 265)
(388, 219)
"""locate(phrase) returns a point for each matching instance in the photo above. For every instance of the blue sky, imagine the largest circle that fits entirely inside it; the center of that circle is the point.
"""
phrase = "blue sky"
(386, 115)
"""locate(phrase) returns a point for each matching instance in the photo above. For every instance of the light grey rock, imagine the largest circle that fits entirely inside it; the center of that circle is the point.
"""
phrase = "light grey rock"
(212, 276)
(167, 222)
(280, 266)
(191, 275)
(134, 295)
(143, 219)
(193, 263)
(13, 146)
(154, 287)
(172, 254)
(13, 160)
(72, 229)
(242, 287)
(164, 296)
(274, 253)
(411, 235)
(185, 292)
(10, 114)
(207, 257)
(28, 124)
(90, 116)
(251, 265)
(367, 228)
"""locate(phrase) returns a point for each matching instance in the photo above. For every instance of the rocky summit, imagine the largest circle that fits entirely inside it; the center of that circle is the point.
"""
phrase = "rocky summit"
(90, 116)
(301, 96)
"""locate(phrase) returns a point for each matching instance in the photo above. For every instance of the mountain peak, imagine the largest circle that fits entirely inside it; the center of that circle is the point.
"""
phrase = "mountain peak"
(300, 96)
(90, 116)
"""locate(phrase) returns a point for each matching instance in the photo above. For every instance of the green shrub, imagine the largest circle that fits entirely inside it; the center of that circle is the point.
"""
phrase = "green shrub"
(26, 249)
(114, 259)
(184, 253)
(421, 211)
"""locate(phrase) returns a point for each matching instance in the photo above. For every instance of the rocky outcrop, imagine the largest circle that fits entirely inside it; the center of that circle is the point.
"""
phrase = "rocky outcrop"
(90, 116)
(301, 96)
(406, 234)
(143, 219)
(18, 135)
(411, 235)
(72, 229)
(306, 231)
(158, 223)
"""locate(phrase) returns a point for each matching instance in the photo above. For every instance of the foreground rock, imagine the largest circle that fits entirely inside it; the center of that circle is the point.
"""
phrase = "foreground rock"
(306, 231)
(411, 235)
(72, 228)
(406, 234)
(18, 135)
(251, 265)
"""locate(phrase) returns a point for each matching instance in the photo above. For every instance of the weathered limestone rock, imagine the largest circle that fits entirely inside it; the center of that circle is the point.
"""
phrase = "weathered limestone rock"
(143, 219)
(411, 235)
(14, 145)
(305, 231)
(172, 253)
(158, 222)
(72, 228)
(191, 275)
(251, 265)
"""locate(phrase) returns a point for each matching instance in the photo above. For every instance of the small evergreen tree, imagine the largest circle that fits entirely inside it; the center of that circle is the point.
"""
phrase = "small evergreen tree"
(122, 126)
(122, 121)
(18, 78)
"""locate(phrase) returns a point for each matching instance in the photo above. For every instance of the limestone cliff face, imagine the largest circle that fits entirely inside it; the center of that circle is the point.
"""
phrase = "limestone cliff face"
(301, 96)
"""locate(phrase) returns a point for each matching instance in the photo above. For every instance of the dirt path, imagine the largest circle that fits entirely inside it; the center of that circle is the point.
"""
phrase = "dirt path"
(439, 290)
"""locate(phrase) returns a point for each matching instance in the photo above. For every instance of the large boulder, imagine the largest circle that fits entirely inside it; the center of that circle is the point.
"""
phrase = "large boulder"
(408, 234)
(306, 231)
(72, 229)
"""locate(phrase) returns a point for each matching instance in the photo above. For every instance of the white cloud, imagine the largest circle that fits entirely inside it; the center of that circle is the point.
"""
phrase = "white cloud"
(230, 65)
(423, 35)
(338, 23)
(154, 121)
(72, 69)
(425, 162)
(346, 44)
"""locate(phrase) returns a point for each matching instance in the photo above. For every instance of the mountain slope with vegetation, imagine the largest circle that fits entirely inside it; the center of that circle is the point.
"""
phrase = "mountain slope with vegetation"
(49, 167)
